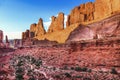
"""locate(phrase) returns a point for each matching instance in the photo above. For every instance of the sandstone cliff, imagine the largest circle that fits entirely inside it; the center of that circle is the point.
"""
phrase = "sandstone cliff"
(85, 14)
(57, 23)
(37, 29)
(96, 11)
(106, 28)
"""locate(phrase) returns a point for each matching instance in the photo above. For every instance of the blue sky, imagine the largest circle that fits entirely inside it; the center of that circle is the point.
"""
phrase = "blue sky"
(17, 15)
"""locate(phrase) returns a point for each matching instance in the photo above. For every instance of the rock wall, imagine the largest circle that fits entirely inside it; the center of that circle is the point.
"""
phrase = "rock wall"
(37, 29)
(57, 23)
(106, 28)
(84, 14)
(98, 10)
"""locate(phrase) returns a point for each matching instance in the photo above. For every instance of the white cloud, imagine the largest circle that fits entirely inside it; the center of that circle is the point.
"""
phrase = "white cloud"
(46, 25)
(13, 35)
(65, 20)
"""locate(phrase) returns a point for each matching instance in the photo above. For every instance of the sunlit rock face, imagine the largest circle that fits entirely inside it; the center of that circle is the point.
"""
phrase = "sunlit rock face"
(57, 23)
(87, 14)
(98, 10)
(81, 13)
(109, 27)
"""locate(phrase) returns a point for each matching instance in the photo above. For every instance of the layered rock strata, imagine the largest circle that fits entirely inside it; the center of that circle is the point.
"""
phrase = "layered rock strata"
(85, 14)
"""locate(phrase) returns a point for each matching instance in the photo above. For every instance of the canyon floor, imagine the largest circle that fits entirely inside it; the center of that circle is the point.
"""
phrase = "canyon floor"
(73, 61)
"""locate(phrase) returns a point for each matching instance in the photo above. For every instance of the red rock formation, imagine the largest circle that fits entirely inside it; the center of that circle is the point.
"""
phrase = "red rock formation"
(1, 36)
(82, 13)
(17, 43)
(33, 28)
(106, 28)
(26, 34)
(7, 41)
(57, 23)
(40, 28)
(37, 29)
(81, 33)
(1, 39)
(98, 10)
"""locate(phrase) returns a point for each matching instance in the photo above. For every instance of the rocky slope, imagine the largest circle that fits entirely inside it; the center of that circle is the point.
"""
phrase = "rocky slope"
(106, 28)
(84, 60)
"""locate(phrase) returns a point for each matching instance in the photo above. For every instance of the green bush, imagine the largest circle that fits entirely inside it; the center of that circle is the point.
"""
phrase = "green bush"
(77, 68)
(19, 77)
(113, 71)
(67, 75)
(57, 76)
(84, 69)
(72, 68)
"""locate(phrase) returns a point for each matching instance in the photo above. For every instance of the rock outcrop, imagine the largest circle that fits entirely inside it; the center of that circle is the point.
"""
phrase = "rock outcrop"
(105, 8)
(26, 34)
(96, 11)
(1, 39)
(17, 43)
(81, 33)
(1, 36)
(106, 28)
(33, 29)
(7, 42)
(57, 23)
(84, 14)
(40, 28)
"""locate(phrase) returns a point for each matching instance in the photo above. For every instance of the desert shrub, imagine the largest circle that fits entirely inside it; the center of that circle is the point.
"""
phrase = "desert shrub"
(19, 77)
(84, 69)
(20, 63)
(87, 78)
(77, 68)
(78, 76)
(72, 68)
(67, 75)
(57, 76)
(32, 78)
(113, 71)
(19, 74)
(89, 70)
(54, 68)
(65, 68)
(38, 62)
